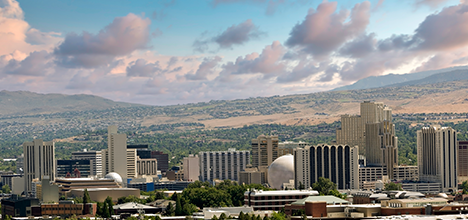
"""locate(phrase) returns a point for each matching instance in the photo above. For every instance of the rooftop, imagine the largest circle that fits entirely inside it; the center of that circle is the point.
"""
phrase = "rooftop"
(327, 199)
(281, 192)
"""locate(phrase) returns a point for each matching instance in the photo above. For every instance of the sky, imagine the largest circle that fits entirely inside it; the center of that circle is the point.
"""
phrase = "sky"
(165, 52)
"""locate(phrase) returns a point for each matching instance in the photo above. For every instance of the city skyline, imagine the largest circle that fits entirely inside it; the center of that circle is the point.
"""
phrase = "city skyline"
(173, 52)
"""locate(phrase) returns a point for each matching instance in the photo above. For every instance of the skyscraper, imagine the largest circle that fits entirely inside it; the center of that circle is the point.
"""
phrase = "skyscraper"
(382, 146)
(437, 156)
(114, 158)
(191, 168)
(338, 163)
(264, 150)
(222, 164)
(462, 161)
(39, 161)
(94, 156)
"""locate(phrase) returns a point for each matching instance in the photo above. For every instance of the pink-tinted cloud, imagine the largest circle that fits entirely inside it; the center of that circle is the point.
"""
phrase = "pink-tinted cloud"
(325, 30)
(206, 68)
(430, 3)
(123, 36)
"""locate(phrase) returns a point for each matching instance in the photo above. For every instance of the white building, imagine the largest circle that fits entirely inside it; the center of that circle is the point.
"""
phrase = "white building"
(437, 156)
(276, 199)
(94, 156)
(191, 168)
(337, 163)
(222, 164)
(117, 158)
(39, 161)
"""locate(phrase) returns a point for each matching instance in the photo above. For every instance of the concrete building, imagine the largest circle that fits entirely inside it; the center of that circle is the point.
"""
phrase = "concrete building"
(437, 156)
(381, 145)
(100, 194)
(222, 164)
(94, 156)
(253, 175)
(276, 199)
(147, 167)
(353, 128)
(18, 206)
(49, 192)
(39, 161)
(337, 163)
(66, 185)
(264, 150)
(462, 161)
(288, 147)
(191, 168)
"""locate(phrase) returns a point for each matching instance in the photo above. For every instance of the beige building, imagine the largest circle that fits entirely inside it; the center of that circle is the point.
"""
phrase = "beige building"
(100, 194)
(288, 147)
(147, 167)
(382, 145)
(353, 128)
(39, 161)
(264, 150)
(437, 156)
(253, 175)
(338, 163)
(462, 161)
(117, 158)
(191, 168)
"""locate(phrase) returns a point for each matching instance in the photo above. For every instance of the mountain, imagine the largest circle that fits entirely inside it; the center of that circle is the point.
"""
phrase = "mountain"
(25, 103)
(390, 79)
(455, 75)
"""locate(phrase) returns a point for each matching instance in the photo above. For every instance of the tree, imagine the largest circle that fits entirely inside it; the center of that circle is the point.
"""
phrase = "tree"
(6, 189)
(393, 186)
(464, 187)
(86, 198)
(222, 216)
(170, 209)
(301, 185)
(110, 205)
(324, 185)
(178, 207)
(105, 211)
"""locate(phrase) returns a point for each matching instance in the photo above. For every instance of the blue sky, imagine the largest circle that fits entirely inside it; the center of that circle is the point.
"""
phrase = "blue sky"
(172, 51)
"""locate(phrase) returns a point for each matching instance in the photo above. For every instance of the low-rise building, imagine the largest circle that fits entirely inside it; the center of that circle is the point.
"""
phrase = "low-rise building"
(100, 194)
(274, 200)
(16, 206)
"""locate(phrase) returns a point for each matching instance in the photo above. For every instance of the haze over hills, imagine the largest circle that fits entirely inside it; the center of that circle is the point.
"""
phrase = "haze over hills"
(393, 79)
(24, 102)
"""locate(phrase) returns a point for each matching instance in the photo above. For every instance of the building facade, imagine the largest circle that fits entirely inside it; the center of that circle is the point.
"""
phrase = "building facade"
(148, 167)
(94, 156)
(264, 150)
(163, 160)
(69, 168)
(39, 161)
(337, 163)
(288, 147)
(222, 164)
(274, 200)
(191, 168)
(437, 156)
(462, 161)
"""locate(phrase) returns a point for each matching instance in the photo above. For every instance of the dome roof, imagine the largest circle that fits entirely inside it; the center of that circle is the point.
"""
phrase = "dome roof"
(281, 171)
(115, 176)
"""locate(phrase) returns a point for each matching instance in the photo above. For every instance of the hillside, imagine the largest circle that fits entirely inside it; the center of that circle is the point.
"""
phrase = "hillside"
(455, 75)
(393, 79)
(25, 103)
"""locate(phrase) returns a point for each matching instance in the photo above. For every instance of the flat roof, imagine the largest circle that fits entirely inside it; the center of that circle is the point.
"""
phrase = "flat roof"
(282, 192)
(106, 189)
(327, 199)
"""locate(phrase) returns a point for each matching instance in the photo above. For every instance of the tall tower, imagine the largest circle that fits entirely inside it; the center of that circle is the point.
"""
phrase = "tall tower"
(437, 156)
(114, 158)
(264, 150)
(39, 161)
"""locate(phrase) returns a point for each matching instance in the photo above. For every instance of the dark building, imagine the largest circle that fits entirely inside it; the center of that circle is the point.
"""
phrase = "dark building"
(462, 161)
(69, 168)
(163, 160)
(143, 150)
(172, 185)
(18, 206)
(7, 179)
(147, 187)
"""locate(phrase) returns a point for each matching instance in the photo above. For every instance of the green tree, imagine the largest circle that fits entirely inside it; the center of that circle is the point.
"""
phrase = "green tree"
(86, 198)
(393, 186)
(222, 216)
(214, 217)
(301, 185)
(464, 187)
(110, 205)
(170, 209)
(105, 211)
(178, 207)
(6, 189)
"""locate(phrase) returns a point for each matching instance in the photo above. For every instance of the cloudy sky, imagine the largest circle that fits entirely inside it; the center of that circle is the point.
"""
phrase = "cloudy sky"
(162, 52)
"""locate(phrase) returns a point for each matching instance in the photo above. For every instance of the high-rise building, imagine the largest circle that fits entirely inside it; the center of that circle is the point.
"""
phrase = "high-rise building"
(39, 161)
(353, 128)
(94, 156)
(191, 168)
(114, 158)
(163, 160)
(437, 156)
(462, 161)
(264, 150)
(382, 146)
(132, 163)
(222, 164)
(338, 163)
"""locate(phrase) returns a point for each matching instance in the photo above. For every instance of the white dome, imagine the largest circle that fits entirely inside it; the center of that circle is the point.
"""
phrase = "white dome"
(115, 176)
(281, 171)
